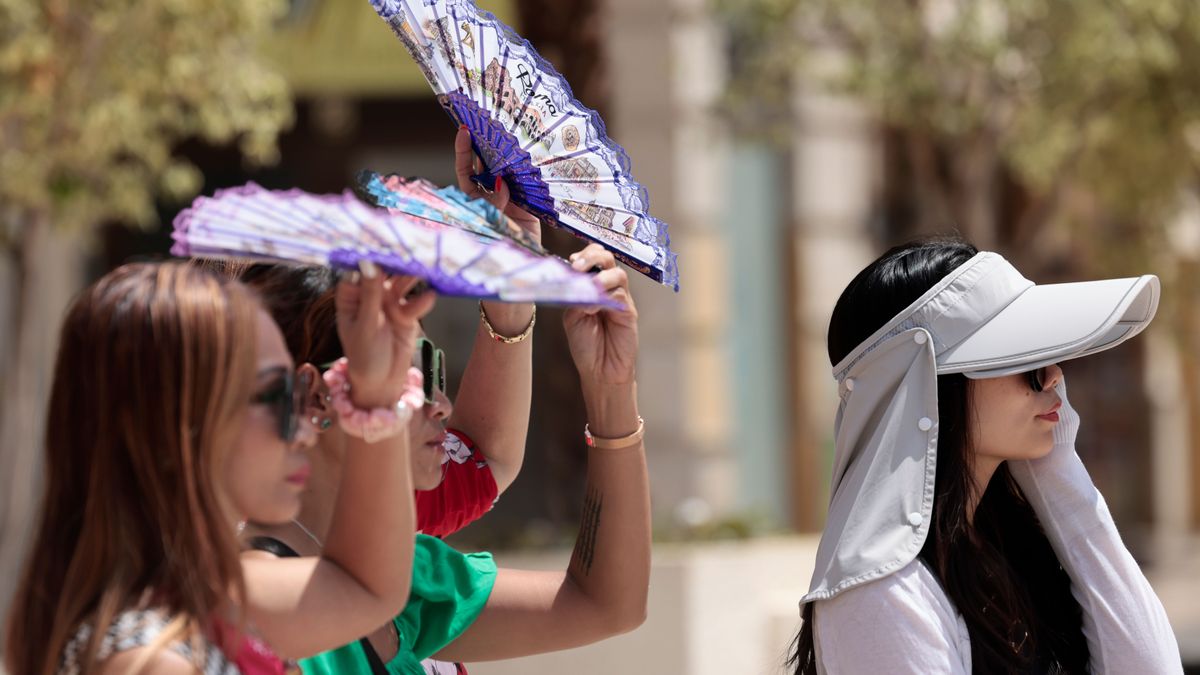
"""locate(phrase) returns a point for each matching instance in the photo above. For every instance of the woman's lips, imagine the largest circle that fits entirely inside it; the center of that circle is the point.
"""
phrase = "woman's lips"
(300, 476)
(1052, 415)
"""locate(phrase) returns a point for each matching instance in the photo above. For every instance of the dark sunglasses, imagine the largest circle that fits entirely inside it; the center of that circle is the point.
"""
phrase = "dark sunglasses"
(432, 363)
(1037, 379)
(286, 396)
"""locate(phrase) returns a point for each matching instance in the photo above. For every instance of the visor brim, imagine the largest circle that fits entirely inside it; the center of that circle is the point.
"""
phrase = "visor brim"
(1053, 323)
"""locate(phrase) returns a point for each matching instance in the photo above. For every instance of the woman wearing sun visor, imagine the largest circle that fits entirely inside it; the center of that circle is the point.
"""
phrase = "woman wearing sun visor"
(964, 533)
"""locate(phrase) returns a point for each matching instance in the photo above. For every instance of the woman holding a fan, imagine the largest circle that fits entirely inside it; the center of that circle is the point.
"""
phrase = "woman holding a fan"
(462, 607)
(175, 413)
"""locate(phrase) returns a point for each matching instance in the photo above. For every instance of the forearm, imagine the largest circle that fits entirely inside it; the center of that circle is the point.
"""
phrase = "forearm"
(493, 402)
(1124, 621)
(372, 529)
(303, 606)
(611, 561)
(603, 592)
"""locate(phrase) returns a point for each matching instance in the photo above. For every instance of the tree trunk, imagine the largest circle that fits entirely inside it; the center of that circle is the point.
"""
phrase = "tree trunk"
(976, 167)
(1188, 330)
(43, 275)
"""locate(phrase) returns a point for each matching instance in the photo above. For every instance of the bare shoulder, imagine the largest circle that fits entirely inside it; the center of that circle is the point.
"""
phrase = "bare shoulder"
(157, 662)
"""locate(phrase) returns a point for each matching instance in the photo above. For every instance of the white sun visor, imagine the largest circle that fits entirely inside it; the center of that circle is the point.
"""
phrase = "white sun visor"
(983, 320)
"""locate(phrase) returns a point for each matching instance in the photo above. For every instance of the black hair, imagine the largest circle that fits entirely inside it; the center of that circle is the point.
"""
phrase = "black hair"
(301, 300)
(999, 570)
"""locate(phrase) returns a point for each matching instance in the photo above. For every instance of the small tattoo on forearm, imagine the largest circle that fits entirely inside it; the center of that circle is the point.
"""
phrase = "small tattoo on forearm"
(585, 545)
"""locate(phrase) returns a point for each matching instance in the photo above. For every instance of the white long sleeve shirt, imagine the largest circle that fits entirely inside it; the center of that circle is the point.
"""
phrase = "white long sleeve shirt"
(905, 622)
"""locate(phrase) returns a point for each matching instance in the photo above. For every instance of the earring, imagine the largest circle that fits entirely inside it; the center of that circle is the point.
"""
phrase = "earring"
(326, 423)
(328, 398)
(316, 421)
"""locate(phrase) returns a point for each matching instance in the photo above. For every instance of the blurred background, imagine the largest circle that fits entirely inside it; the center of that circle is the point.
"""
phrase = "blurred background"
(786, 142)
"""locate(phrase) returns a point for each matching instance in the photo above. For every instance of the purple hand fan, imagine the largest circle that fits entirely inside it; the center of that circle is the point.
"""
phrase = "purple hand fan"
(340, 230)
(527, 128)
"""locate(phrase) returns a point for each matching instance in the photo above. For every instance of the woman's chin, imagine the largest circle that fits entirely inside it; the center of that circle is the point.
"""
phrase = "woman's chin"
(278, 514)
(428, 480)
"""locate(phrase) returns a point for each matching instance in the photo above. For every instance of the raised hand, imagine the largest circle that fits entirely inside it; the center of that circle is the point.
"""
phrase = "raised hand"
(603, 342)
(378, 325)
(467, 164)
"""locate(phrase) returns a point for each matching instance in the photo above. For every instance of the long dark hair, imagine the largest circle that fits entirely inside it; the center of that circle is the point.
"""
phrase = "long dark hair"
(999, 570)
(301, 300)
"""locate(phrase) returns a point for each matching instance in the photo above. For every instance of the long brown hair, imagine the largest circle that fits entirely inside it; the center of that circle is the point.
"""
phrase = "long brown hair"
(155, 369)
(999, 570)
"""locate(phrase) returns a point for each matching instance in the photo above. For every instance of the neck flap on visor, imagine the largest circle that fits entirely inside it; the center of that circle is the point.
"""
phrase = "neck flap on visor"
(886, 428)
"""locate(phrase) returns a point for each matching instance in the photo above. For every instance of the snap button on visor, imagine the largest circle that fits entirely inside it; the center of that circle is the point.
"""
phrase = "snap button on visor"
(920, 338)
(915, 519)
(925, 424)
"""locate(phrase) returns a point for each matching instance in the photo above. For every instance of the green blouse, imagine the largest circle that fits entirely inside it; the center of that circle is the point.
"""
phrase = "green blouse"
(449, 590)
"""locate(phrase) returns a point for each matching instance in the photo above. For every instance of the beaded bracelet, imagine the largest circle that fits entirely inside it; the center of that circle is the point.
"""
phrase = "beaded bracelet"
(374, 424)
(503, 338)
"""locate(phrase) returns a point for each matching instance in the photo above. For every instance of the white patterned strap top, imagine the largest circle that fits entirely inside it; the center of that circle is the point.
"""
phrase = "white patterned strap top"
(139, 628)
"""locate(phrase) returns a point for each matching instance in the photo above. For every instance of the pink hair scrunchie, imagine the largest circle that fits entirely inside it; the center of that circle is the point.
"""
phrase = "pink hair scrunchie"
(375, 424)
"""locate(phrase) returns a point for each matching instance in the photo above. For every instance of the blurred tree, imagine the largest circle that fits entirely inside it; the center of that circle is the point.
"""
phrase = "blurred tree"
(1065, 133)
(94, 98)
(1060, 97)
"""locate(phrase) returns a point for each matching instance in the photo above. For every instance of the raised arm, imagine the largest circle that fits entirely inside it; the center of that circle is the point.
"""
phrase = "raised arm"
(302, 606)
(492, 406)
(603, 590)
(1123, 620)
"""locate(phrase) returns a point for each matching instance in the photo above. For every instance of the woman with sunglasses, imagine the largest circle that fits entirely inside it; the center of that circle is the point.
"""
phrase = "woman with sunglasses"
(964, 534)
(462, 607)
(176, 414)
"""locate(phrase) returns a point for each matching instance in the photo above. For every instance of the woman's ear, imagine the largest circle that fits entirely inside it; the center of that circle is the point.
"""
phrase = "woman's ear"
(317, 406)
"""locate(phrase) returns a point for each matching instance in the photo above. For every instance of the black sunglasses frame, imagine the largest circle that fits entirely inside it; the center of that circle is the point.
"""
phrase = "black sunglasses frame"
(1037, 379)
(287, 400)
(433, 368)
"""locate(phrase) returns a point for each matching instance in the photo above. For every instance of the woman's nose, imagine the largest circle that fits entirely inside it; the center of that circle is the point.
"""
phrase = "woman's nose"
(441, 407)
(1054, 377)
(306, 433)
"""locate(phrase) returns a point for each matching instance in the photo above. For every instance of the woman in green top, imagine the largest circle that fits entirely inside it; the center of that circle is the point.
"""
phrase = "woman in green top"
(462, 607)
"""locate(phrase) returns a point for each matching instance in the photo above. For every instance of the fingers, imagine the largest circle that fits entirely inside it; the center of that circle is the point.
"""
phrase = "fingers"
(500, 195)
(402, 310)
(466, 165)
(593, 255)
(464, 161)
(400, 286)
(613, 279)
(615, 282)
(356, 289)
(370, 290)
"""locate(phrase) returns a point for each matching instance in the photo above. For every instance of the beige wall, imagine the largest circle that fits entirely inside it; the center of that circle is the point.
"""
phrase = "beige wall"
(714, 609)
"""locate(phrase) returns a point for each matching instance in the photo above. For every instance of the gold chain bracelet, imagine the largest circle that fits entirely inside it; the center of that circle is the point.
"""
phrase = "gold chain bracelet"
(524, 335)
